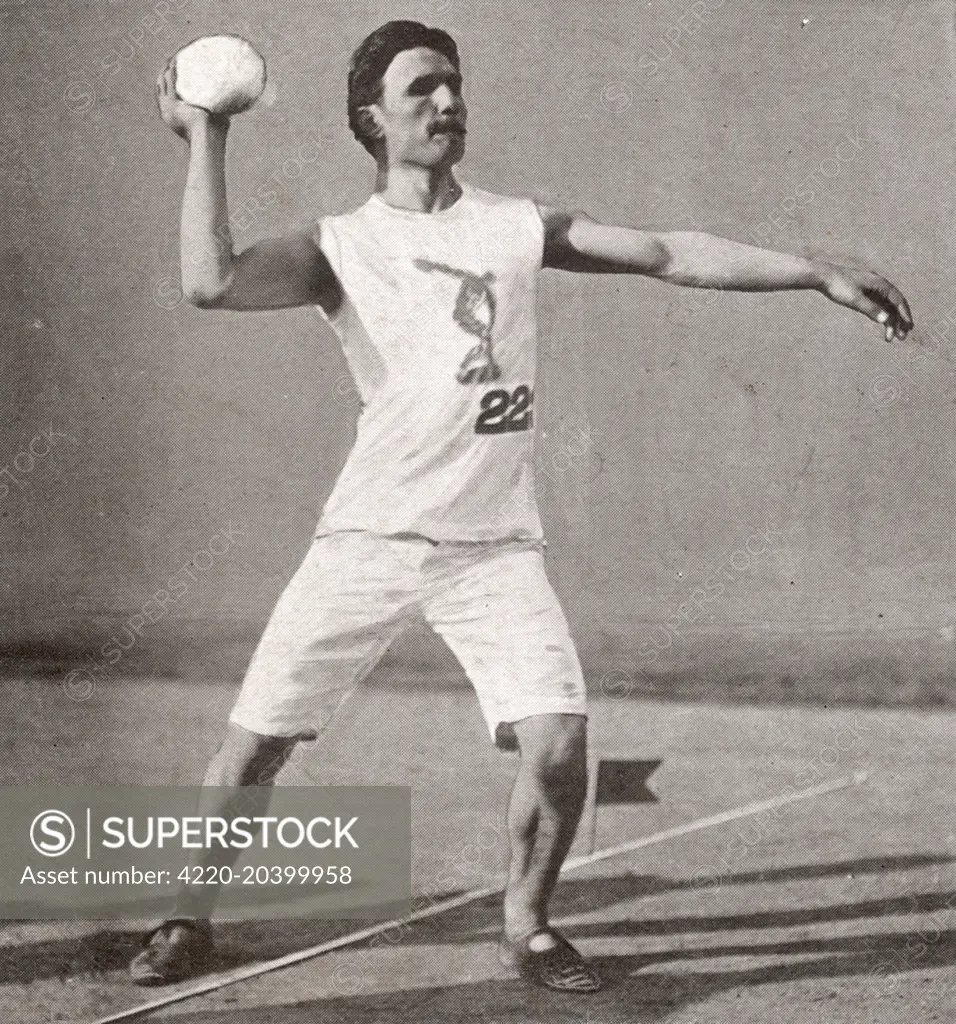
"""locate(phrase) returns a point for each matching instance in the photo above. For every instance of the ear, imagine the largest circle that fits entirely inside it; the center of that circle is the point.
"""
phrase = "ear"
(368, 122)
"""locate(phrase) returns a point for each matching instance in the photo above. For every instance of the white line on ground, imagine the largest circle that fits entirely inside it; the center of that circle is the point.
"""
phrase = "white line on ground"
(452, 903)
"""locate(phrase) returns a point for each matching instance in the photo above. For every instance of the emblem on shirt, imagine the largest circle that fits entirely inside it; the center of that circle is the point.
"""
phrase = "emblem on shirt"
(474, 312)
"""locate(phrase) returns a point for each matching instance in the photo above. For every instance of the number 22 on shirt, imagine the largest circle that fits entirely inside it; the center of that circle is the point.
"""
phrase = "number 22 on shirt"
(505, 412)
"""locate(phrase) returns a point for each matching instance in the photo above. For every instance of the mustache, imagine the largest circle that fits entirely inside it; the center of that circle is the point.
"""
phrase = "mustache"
(447, 126)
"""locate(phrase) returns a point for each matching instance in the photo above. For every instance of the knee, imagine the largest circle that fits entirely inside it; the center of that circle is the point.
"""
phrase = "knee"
(557, 756)
(253, 759)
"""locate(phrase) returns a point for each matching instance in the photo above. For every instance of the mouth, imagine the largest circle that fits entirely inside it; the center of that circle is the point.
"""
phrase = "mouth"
(448, 128)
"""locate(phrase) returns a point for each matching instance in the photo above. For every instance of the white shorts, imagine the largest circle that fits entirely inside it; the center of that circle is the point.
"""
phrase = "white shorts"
(356, 591)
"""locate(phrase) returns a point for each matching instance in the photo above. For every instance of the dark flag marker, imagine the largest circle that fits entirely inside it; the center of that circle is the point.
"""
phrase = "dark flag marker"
(614, 781)
(624, 782)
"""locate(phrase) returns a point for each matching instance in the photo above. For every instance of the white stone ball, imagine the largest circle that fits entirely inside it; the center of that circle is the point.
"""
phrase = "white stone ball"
(223, 74)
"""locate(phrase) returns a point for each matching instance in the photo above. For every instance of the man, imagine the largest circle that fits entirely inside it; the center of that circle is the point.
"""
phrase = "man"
(431, 288)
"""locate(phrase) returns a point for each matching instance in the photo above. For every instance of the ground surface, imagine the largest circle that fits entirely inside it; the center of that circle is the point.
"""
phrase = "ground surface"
(836, 909)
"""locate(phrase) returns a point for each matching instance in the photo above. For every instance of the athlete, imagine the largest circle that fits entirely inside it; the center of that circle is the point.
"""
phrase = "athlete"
(431, 287)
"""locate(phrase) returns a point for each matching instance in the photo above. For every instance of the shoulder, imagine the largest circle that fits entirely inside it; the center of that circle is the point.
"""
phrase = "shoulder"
(331, 230)
(551, 218)
(345, 218)
(511, 215)
(486, 198)
(556, 216)
(495, 201)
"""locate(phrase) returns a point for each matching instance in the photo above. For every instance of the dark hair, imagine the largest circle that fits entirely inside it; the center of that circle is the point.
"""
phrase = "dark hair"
(373, 57)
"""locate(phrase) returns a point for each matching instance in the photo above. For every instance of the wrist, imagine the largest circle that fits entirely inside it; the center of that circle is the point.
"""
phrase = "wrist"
(207, 129)
(821, 275)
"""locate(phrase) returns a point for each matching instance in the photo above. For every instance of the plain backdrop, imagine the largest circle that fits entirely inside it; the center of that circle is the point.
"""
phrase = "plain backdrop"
(675, 426)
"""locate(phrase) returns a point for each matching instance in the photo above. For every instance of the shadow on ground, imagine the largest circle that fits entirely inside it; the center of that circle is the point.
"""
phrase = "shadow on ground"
(647, 997)
(644, 997)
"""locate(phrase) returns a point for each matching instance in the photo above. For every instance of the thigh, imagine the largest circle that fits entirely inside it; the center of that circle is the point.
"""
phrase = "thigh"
(500, 616)
(344, 606)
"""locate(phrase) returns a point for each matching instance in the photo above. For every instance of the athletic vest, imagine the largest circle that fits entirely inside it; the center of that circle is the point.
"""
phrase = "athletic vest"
(439, 328)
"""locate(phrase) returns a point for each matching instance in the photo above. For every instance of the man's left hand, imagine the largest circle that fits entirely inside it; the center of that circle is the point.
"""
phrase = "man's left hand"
(871, 295)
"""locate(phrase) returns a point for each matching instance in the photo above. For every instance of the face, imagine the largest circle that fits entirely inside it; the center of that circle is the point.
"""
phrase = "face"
(421, 112)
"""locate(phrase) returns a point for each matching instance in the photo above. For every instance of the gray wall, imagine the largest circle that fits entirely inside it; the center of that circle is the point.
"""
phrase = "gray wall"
(679, 424)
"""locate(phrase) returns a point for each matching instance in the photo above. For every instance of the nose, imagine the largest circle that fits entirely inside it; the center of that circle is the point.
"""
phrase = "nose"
(446, 100)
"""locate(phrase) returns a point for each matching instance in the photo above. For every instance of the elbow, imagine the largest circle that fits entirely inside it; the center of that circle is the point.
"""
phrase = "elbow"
(204, 298)
(207, 288)
(663, 262)
(686, 258)
(206, 294)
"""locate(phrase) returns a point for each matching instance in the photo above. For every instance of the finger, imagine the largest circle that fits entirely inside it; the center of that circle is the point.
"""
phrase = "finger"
(160, 92)
(891, 306)
(905, 309)
(163, 84)
(865, 305)
(898, 299)
(892, 296)
(891, 328)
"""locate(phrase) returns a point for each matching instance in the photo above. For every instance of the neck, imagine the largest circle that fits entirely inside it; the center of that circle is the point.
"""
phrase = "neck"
(422, 189)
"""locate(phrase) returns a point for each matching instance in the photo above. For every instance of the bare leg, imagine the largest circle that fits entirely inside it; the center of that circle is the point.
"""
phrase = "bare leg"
(543, 814)
(244, 759)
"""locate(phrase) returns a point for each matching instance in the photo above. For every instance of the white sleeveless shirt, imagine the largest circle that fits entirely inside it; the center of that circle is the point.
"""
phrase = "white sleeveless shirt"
(438, 324)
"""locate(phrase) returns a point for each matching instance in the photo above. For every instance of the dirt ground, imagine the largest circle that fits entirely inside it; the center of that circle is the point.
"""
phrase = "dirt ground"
(835, 909)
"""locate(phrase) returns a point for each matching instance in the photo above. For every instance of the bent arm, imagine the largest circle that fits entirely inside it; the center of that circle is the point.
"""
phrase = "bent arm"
(573, 241)
(273, 274)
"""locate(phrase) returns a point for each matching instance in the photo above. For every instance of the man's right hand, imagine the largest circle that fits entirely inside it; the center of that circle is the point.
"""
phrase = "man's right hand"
(274, 273)
(181, 116)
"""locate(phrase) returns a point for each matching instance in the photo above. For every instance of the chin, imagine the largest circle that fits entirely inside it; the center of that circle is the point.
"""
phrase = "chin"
(454, 153)
(444, 161)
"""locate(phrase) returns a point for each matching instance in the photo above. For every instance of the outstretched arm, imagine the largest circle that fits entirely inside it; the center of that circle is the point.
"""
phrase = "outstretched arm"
(573, 241)
(272, 274)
